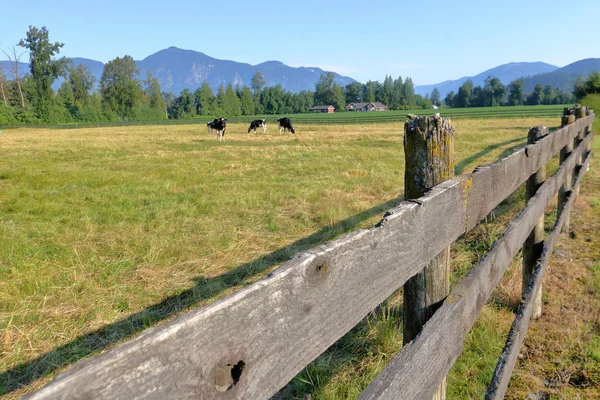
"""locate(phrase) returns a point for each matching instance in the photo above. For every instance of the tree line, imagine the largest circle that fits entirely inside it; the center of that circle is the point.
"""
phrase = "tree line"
(123, 96)
(495, 93)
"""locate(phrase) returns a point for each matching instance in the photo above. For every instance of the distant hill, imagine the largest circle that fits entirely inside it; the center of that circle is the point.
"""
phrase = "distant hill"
(564, 78)
(506, 73)
(178, 69)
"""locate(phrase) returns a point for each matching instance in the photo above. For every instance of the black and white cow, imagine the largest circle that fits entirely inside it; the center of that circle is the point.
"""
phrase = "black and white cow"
(211, 125)
(257, 123)
(219, 124)
(285, 123)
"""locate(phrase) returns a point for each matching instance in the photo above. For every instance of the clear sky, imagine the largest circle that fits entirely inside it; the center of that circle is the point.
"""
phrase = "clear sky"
(430, 41)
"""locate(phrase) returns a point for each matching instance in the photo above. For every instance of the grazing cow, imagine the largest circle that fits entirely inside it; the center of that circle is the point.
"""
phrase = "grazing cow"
(212, 125)
(219, 124)
(285, 123)
(257, 123)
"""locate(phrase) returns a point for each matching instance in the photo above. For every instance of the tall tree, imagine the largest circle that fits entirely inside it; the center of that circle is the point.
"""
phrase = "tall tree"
(82, 82)
(463, 96)
(537, 96)
(397, 99)
(153, 93)
(327, 92)
(120, 89)
(231, 103)
(369, 92)
(3, 82)
(205, 100)
(258, 82)
(549, 94)
(246, 101)
(45, 69)
(408, 93)
(450, 99)
(591, 85)
(14, 60)
(515, 92)
(353, 92)
(435, 96)
(388, 90)
(494, 91)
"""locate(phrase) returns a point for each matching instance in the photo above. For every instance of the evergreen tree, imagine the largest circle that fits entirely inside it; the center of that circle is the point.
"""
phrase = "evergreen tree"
(369, 92)
(408, 93)
(397, 99)
(388, 90)
(247, 101)
(205, 100)
(435, 96)
(231, 103)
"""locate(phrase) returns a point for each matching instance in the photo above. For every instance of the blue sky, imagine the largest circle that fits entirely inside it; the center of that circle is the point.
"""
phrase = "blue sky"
(430, 41)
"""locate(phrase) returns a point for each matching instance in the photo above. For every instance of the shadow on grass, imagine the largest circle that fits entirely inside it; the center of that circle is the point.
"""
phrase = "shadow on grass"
(95, 342)
(459, 169)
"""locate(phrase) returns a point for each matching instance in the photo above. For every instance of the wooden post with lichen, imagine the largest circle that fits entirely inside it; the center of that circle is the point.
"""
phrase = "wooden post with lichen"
(567, 118)
(533, 246)
(580, 112)
(429, 155)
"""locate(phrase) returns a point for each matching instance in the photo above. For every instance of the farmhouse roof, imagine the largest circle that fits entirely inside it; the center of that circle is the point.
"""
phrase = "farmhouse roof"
(364, 104)
(321, 107)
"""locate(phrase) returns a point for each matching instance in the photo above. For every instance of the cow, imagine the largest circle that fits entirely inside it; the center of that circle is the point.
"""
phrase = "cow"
(219, 124)
(212, 125)
(257, 123)
(285, 123)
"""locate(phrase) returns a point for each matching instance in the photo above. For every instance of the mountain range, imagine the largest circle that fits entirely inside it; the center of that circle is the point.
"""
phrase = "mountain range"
(533, 72)
(506, 73)
(178, 69)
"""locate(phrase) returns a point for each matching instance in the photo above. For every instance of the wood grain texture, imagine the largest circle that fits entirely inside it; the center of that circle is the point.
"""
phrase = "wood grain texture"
(532, 248)
(429, 161)
(278, 325)
(516, 336)
(568, 119)
(419, 359)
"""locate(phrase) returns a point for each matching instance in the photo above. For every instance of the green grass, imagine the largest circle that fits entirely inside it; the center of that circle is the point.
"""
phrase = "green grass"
(106, 231)
(349, 117)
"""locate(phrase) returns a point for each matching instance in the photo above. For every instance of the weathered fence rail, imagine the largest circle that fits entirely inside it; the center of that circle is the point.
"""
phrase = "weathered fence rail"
(253, 342)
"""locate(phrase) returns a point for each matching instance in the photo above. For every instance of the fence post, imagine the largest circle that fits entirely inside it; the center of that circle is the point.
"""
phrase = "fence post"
(532, 249)
(580, 112)
(429, 156)
(568, 118)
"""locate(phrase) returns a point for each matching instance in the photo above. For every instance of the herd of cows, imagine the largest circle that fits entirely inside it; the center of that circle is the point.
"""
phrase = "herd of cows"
(220, 124)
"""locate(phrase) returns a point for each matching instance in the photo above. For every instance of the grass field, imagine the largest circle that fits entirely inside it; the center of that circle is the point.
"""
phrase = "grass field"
(351, 118)
(106, 231)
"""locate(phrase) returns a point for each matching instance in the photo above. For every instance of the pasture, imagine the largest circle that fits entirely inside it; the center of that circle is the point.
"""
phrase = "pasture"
(107, 231)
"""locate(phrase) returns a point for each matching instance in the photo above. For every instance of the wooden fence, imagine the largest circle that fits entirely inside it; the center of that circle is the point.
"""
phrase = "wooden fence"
(252, 343)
